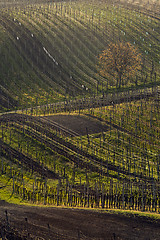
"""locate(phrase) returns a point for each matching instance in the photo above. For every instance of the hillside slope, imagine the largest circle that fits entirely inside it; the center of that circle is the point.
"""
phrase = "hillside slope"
(49, 51)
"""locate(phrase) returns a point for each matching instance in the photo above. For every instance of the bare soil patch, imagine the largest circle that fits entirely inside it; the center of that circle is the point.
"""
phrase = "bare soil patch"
(63, 223)
(79, 123)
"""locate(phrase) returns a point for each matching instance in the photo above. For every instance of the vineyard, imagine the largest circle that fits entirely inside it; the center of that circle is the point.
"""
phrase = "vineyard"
(116, 166)
(103, 153)
(49, 50)
(69, 137)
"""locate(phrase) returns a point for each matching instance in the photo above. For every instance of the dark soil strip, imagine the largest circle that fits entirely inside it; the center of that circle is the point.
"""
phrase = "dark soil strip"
(33, 165)
(70, 224)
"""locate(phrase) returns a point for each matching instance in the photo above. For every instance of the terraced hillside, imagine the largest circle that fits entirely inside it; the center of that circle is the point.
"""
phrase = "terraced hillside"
(48, 51)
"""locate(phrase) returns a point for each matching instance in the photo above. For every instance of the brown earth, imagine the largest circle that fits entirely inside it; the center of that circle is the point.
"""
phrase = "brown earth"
(79, 123)
(64, 223)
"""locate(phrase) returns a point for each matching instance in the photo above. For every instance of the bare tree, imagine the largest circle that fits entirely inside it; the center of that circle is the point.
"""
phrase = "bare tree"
(120, 60)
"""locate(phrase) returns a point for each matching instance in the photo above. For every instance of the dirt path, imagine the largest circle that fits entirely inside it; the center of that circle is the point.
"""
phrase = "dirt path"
(63, 223)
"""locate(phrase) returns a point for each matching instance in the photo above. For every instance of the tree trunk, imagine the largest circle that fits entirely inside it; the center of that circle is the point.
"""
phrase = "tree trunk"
(120, 79)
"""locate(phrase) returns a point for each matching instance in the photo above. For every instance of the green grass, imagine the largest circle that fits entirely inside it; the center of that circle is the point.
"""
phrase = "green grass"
(6, 191)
